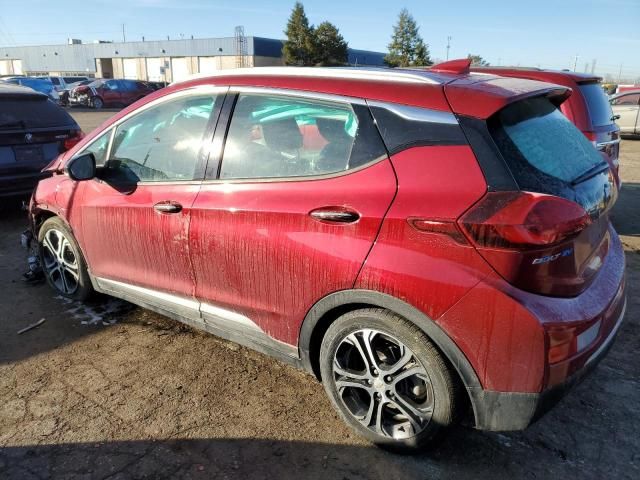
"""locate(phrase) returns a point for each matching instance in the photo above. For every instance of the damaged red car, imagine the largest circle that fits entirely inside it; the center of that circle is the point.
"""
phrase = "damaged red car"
(108, 93)
(432, 245)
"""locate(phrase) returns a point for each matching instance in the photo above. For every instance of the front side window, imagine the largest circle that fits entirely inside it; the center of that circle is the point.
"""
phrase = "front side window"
(99, 147)
(162, 143)
(274, 136)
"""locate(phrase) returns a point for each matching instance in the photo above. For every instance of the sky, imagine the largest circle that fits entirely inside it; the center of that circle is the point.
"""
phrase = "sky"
(545, 33)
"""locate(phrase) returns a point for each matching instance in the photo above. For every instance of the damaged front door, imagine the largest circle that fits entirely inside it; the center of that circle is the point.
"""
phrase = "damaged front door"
(136, 215)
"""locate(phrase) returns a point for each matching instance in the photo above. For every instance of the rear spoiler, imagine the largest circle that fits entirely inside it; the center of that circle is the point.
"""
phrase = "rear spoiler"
(483, 95)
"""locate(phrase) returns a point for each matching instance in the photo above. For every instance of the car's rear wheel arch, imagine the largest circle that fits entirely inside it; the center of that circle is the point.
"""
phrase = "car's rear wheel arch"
(334, 305)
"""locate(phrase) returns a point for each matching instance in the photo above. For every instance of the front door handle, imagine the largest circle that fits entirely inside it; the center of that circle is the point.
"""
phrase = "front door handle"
(335, 215)
(168, 207)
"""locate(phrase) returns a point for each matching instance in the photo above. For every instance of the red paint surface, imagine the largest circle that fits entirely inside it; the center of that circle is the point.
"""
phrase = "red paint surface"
(430, 271)
(125, 239)
(256, 250)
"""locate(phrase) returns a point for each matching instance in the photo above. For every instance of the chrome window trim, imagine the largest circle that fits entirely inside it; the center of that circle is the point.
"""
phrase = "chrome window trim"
(302, 94)
(418, 114)
(307, 178)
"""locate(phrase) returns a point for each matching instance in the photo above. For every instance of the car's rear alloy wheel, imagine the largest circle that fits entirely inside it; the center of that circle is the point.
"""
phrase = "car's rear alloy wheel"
(62, 261)
(386, 379)
(382, 384)
(97, 103)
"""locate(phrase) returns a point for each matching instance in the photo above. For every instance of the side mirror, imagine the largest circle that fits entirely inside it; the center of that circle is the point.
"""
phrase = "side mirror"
(82, 167)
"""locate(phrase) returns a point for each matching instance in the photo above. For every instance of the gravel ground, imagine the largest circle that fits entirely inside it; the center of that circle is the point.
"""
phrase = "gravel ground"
(109, 390)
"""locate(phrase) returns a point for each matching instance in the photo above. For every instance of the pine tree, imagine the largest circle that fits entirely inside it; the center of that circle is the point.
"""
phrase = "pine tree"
(330, 46)
(299, 48)
(407, 48)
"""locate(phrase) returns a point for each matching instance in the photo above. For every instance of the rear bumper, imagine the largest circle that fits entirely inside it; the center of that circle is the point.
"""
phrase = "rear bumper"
(23, 184)
(506, 411)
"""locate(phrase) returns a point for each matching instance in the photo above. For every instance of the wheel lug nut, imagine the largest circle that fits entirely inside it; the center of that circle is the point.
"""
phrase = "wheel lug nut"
(375, 372)
(387, 378)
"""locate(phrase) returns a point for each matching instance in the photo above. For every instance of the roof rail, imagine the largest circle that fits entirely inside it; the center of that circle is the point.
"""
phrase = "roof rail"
(359, 73)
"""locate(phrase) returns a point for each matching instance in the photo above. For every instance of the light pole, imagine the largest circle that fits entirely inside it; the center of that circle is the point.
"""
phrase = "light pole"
(448, 46)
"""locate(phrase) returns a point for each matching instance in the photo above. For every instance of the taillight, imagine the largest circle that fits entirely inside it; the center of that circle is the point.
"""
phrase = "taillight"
(523, 220)
(74, 137)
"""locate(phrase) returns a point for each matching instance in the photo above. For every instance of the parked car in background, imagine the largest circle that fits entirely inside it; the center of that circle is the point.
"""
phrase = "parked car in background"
(587, 107)
(115, 93)
(63, 83)
(155, 85)
(33, 132)
(428, 243)
(64, 94)
(626, 106)
(38, 84)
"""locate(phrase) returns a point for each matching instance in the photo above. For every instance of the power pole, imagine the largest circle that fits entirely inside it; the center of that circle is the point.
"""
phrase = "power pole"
(575, 62)
(448, 46)
(620, 74)
(593, 67)
(124, 38)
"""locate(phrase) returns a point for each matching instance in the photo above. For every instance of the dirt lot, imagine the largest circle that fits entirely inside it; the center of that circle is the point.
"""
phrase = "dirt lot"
(109, 390)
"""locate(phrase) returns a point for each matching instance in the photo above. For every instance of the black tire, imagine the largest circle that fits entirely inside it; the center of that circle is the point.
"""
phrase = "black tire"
(97, 103)
(383, 327)
(52, 228)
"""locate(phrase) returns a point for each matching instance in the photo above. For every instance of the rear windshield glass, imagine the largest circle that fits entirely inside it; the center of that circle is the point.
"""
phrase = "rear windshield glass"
(597, 104)
(27, 113)
(543, 149)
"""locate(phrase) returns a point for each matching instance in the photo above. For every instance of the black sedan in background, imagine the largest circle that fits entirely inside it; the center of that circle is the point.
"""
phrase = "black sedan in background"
(33, 131)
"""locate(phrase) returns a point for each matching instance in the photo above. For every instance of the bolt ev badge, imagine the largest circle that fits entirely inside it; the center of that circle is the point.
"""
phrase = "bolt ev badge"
(551, 258)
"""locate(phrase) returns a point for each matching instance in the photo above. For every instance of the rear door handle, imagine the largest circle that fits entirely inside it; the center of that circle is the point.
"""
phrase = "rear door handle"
(335, 215)
(168, 207)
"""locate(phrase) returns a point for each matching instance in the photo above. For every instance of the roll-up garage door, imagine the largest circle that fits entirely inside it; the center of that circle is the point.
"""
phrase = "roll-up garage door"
(154, 69)
(179, 69)
(208, 64)
(17, 67)
(130, 68)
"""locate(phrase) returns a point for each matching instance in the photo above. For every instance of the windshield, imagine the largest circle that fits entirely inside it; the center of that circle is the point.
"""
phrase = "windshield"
(597, 104)
(543, 149)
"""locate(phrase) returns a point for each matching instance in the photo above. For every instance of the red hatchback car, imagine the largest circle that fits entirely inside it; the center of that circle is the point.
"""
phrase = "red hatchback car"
(426, 243)
(588, 106)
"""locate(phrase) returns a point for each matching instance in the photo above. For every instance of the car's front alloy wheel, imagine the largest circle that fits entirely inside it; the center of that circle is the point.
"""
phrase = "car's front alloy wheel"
(62, 261)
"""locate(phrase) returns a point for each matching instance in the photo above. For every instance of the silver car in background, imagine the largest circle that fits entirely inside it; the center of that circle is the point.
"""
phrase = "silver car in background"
(626, 107)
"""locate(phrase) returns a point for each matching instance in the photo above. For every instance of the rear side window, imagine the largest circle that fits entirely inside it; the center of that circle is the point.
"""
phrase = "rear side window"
(55, 80)
(30, 112)
(597, 104)
(542, 148)
(273, 136)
